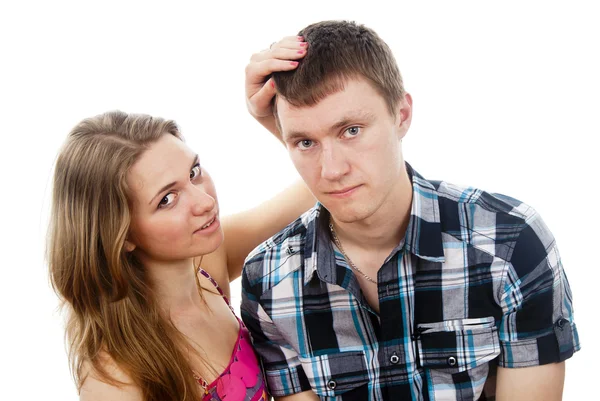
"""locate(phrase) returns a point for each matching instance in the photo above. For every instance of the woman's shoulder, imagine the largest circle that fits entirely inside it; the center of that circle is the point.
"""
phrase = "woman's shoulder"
(114, 384)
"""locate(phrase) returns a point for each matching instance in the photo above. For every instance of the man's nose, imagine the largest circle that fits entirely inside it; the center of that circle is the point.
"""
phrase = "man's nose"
(334, 164)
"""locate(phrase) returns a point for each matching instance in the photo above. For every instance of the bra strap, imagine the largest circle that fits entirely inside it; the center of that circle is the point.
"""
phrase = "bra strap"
(212, 280)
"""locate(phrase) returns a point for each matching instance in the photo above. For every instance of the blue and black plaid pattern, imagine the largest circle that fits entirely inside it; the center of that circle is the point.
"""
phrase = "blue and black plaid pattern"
(476, 283)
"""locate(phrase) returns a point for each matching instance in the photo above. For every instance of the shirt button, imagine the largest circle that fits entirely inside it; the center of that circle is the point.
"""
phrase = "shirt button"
(394, 359)
(560, 323)
(331, 384)
(451, 361)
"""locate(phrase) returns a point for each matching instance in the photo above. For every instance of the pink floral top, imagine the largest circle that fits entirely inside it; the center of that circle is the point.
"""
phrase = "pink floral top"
(242, 379)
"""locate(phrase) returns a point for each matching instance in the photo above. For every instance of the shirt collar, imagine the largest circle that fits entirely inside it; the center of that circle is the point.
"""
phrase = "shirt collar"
(424, 232)
(320, 257)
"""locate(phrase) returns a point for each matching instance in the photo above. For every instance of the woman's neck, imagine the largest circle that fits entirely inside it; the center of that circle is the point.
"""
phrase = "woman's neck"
(174, 284)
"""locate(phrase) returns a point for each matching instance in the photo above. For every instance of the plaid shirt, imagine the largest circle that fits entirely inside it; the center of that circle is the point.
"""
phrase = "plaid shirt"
(476, 283)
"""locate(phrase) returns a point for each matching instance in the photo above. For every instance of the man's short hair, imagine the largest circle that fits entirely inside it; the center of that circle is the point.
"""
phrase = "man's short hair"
(339, 51)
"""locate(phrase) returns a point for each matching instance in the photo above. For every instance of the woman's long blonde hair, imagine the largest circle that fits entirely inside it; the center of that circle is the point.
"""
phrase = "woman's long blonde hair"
(109, 301)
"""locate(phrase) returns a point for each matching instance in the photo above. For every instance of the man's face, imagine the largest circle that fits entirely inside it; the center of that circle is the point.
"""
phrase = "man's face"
(347, 148)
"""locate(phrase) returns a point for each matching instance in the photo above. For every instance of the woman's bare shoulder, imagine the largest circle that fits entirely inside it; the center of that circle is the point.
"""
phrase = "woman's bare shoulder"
(96, 388)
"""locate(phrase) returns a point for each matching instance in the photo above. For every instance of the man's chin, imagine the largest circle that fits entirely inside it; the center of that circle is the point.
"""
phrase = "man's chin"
(347, 214)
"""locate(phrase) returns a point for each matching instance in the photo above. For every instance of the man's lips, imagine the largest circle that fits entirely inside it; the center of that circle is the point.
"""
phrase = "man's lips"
(342, 192)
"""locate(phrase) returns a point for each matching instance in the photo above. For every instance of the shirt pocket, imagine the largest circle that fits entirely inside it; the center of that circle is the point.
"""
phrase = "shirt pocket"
(332, 375)
(456, 354)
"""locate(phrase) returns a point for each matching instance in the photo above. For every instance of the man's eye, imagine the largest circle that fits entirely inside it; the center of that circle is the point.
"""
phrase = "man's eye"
(352, 132)
(166, 200)
(305, 143)
(196, 172)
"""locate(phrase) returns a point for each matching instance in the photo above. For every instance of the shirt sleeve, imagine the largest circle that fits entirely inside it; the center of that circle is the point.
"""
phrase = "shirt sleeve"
(537, 325)
(283, 371)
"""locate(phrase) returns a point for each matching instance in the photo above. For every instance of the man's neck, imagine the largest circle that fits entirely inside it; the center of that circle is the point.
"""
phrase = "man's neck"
(385, 228)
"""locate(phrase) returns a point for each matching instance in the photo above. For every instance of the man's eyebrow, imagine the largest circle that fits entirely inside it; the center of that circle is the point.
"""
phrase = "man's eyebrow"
(294, 135)
(170, 185)
(350, 118)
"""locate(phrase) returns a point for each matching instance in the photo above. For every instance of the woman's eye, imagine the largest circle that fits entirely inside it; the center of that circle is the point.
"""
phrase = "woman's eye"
(305, 144)
(196, 172)
(166, 200)
(352, 132)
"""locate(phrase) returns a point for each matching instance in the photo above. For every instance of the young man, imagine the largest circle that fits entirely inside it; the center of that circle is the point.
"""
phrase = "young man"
(394, 287)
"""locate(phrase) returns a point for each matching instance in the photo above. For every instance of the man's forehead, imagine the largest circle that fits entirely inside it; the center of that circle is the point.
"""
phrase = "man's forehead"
(293, 120)
(282, 105)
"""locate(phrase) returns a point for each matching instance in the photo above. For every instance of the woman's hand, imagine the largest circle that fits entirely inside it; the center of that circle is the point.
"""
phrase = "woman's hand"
(260, 87)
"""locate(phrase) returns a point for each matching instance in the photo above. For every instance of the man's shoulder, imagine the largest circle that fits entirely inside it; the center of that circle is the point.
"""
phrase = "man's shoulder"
(484, 205)
(493, 222)
(279, 256)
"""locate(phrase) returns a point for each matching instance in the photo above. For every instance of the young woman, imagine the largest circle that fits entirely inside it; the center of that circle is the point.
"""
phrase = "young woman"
(142, 261)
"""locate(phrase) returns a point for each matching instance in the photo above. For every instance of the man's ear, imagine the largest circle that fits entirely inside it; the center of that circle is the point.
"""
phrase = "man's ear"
(404, 116)
(129, 246)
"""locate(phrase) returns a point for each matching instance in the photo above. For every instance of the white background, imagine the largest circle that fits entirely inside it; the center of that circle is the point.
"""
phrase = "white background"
(505, 99)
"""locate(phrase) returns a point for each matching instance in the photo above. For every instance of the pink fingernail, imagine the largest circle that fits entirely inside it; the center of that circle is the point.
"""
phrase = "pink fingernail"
(272, 84)
(303, 44)
(300, 51)
(300, 38)
(294, 63)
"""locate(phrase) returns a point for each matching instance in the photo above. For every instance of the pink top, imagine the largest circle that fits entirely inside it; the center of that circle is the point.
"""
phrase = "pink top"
(242, 379)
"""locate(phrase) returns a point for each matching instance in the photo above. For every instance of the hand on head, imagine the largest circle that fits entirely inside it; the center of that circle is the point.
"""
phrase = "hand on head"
(260, 87)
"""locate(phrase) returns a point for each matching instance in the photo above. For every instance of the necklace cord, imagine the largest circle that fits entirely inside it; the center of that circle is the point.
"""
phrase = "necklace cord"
(341, 248)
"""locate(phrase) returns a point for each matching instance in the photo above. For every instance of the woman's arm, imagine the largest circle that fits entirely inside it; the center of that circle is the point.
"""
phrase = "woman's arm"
(246, 230)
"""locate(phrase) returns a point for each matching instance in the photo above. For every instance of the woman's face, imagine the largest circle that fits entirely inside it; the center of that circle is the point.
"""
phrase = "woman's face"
(175, 213)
